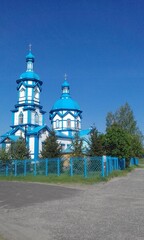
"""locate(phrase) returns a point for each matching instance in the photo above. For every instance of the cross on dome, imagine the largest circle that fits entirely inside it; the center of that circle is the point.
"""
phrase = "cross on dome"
(65, 76)
(30, 47)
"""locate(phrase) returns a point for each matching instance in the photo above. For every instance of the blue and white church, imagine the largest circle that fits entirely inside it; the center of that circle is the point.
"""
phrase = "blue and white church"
(28, 114)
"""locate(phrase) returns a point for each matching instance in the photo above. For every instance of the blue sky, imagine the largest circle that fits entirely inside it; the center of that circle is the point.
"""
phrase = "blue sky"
(99, 44)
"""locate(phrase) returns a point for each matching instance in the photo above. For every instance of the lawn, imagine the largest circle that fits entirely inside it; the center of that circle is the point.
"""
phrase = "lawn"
(65, 179)
(1, 238)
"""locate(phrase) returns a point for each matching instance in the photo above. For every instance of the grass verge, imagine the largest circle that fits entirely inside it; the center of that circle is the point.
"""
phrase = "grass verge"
(1, 238)
(66, 179)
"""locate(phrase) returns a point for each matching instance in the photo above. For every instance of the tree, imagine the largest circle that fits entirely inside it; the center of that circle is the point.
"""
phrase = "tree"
(96, 143)
(51, 147)
(77, 146)
(123, 117)
(118, 143)
(4, 155)
(137, 146)
(122, 144)
(123, 134)
(18, 150)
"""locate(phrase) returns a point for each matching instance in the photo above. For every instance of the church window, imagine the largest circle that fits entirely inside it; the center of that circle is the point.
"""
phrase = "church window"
(65, 90)
(36, 118)
(62, 146)
(22, 92)
(36, 94)
(21, 118)
(68, 123)
(77, 124)
(57, 123)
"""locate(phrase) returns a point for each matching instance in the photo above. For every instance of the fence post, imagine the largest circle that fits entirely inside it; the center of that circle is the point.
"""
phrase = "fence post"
(6, 170)
(107, 166)
(35, 168)
(124, 161)
(85, 167)
(71, 167)
(25, 162)
(110, 164)
(58, 166)
(102, 164)
(46, 169)
(116, 163)
(15, 168)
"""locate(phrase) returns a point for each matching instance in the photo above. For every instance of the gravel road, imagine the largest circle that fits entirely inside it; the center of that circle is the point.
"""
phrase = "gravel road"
(105, 211)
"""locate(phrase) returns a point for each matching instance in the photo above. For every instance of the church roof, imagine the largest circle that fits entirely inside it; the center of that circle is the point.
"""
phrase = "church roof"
(29, 75)
(65, 84)
(65, 102)
(38, 129)
(30, 56)
(84, 132)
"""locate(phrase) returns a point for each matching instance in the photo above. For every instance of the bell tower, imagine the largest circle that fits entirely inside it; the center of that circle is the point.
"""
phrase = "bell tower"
(28, 111)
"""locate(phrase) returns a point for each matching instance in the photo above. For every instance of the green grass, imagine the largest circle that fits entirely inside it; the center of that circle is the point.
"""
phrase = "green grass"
(66, 179)
(141, 161)
(53, 179)
(1, 238)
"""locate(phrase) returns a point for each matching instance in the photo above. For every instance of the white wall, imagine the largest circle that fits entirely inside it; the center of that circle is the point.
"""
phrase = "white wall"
(16, 116)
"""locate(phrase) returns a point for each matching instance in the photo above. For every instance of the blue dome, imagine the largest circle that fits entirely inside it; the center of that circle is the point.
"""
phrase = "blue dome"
(65, 104)
(30, 75)
(65, 84)
(30, 56)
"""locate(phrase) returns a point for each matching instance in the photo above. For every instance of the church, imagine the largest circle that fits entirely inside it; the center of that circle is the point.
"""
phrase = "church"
(28, 114)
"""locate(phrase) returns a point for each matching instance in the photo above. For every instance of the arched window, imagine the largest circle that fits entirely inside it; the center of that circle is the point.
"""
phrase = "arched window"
(68, 123)
(57, 123)
(36, 118)
(77, 124)
(36, 94)
(22, 93)
(21, 118)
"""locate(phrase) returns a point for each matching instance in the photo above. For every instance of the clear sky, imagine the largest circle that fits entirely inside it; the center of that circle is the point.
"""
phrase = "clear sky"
(98, 43)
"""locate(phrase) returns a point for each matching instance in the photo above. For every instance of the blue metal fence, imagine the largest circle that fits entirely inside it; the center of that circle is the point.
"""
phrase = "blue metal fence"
(84, 166)
(134, 161)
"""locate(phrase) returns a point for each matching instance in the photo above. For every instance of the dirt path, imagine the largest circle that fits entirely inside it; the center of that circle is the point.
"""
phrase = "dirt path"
(114, 210)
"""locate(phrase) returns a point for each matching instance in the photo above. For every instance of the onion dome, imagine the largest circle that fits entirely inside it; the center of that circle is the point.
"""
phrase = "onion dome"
(65, 102)
(30, 57)
(29, 73)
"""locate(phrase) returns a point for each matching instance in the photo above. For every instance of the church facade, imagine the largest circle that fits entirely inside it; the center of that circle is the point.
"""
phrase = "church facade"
(28, 114)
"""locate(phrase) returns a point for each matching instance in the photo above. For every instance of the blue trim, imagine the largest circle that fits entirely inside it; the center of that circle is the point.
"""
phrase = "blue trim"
(25, 169)
(33, 95)
(46, 169)
(36, 147)
(30, 79)
(26, 96)
(42, 119)
(58, 167)
(13, 117)
(71, 167)
(29, 117)
(15, 168)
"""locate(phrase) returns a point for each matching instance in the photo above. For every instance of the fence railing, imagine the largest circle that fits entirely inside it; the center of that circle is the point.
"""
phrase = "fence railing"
(85, 166)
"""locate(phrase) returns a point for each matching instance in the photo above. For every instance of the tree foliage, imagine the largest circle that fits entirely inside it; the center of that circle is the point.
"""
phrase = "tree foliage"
(18, 150)
(4, 155)
(123, 117)
(51, 147)
(122, 144)
(118, 142)
(96, 143)
(123, 137)
(77, 146)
